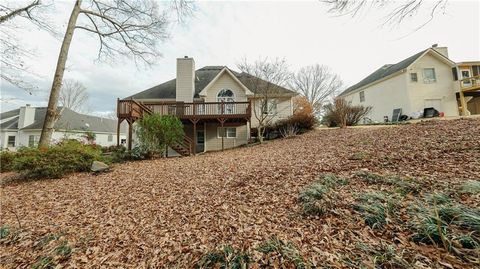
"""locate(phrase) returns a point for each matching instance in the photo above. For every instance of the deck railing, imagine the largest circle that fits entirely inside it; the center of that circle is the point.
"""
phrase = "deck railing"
(198, 110)
(470, 83)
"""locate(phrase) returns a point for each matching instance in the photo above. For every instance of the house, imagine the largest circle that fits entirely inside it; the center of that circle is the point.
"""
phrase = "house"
(217, 106)
(23, 126)
(427, 79)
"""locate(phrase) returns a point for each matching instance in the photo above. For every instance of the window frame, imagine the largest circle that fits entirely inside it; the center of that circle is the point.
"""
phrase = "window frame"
(414, 77)
(226, 132)
(229, 106)
(271, 105)
(110, 138)
(34, 143)
(362, 96)
(429, 80)
(9, 144)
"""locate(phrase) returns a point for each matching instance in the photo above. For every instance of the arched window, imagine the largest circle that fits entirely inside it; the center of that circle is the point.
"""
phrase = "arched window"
(227, 96)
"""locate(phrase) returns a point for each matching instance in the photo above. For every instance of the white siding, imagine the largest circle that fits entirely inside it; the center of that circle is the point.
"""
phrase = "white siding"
(284, 110)
(225, 81)
(213, 142)
(440, 93)
(384, 97)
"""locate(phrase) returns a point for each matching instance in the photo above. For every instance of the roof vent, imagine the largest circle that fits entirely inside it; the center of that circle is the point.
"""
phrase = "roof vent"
(434, 45)
(27, 105)
(186, 57)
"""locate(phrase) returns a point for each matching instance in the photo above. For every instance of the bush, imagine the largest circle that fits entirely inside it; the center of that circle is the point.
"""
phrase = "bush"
(342, 114)
(6, 161)
(56, 161)
(156, 132)
(293, 125)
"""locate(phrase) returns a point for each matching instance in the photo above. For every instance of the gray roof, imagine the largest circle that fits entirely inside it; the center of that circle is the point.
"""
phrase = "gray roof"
(384, 71)
(69, 120)
(203, 77)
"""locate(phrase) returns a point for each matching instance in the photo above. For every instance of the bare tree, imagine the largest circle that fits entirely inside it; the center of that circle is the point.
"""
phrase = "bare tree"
(123, 27)
(24, 9)
(398, 10)
(14, 52)
(265, 78)
(73, 95)
(317, 83)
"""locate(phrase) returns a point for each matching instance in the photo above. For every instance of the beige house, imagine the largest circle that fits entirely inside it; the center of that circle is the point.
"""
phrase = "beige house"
(215, 104)
(426, 79)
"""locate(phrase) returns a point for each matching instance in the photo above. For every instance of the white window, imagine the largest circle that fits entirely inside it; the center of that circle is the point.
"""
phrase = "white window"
(11, 141)
(110, 138)
(33, 140)
(362, 96)
(429, 75)
(226, 96)
(413, 77)
(269, 106)
(229, 132)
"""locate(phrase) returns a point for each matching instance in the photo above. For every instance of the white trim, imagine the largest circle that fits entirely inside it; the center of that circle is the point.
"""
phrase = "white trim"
(203, 93)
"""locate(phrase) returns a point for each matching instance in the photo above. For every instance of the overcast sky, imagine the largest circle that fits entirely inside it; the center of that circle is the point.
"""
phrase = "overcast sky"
(222, 33)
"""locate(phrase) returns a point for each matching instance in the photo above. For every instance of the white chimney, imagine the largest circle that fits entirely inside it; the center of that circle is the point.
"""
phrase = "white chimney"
(27, 116)
(185, 79)
(441, 50)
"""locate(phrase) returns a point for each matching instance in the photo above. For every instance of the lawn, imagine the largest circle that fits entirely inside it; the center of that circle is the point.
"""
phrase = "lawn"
(334, 198)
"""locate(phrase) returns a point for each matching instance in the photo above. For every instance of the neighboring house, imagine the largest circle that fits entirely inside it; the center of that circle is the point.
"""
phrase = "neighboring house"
(426, 79)
(23, 126)
(215, 104)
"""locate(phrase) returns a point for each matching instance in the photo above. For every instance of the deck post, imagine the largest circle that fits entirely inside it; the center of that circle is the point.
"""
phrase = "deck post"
(118, 132)
(130, 135)
(194, 136)
(463, 103)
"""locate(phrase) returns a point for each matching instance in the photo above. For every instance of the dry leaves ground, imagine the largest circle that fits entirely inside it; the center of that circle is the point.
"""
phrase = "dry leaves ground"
(172, 212)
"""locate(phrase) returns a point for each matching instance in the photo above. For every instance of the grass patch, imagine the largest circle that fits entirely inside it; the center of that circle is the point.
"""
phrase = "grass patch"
(317, 197)
(283, 251)
(439, 221)
(382, 256)
(225, 257)
(44, 262)
(375, 208)
(4, 231)
(64, 250)
(471, 187)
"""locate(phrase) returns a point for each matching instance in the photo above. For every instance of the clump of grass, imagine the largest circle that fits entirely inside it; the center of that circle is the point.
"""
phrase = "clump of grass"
(316, 197)
(285, 250)
(382, 256)
(360, 156)
(471, 187)
(44, 262)
(403, 186)
(64, 249)
(375, 207)
(45, 240)
(225, 257)
(4, 231)
(439, 221)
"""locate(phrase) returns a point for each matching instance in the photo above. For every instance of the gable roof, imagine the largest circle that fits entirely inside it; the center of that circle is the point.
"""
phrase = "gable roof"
(69, 120)
(390, 69)
(203, 77)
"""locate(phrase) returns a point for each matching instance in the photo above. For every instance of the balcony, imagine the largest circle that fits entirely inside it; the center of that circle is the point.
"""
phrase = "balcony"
(134, 109)
(470, 84)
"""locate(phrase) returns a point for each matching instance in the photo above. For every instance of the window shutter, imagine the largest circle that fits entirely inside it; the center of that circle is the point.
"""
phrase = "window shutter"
(455, 73)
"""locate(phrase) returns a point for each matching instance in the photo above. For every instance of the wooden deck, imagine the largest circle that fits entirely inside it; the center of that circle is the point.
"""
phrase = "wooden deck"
(467, 86)
(132, 110)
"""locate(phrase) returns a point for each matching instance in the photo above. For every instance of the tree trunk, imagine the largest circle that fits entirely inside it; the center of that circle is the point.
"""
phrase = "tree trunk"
(51, 115)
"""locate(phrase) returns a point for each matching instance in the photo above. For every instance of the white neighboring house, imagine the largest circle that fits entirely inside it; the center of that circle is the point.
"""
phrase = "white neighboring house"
(426, 79)
(23, 126)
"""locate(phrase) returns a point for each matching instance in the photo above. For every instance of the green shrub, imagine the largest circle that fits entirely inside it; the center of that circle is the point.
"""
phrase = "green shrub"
(156, 132)
(56, 161)
(225, 257)
(6, 160)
